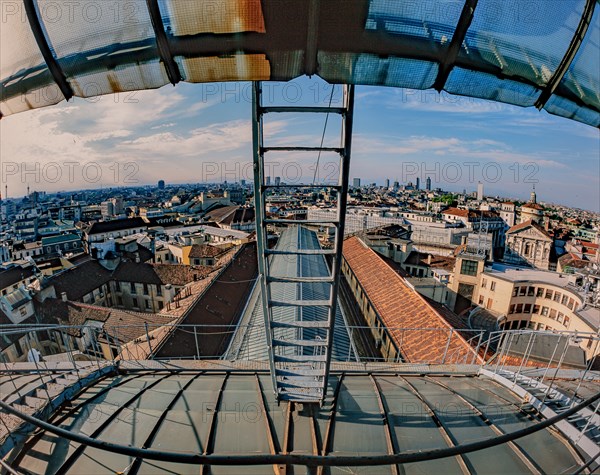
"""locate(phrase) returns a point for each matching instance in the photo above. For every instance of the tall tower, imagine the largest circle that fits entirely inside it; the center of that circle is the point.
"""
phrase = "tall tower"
(532, 196)
(479, 191)
(428, 183)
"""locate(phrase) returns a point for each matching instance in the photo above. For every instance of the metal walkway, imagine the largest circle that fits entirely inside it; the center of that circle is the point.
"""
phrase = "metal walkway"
(300, 357)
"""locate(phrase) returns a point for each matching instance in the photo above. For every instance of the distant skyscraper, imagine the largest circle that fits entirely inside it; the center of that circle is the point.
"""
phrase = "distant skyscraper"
(356, 182)
(268, 181)
(479, 191)
(387, 182)
(161, 184)
(418, 184)
(428, 183)
(277, 180)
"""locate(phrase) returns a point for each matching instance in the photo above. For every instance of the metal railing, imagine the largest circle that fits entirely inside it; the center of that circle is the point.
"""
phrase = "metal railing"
(512, 357)
(503, 348)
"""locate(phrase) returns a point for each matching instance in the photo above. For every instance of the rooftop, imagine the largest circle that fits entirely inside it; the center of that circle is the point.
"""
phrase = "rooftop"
(400, 307)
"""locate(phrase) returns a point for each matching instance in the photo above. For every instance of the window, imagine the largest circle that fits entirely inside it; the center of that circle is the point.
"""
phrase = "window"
(493, 285)
(132, 285)
(160, 305)
(564, 299)
(148, 306)
(566, 322)
(468, 267)
(522, 291)
(515, 291)
(545, 311)
(530, 291)
(557, 296)
(553, 314)
(481, 300)
(536, 309)
(527, 308)
(145, 289)
(519, 308)
(159, 290)
(118, 286)
(548, 294)
(511, 309)
(560, 317)
(134, 302)
(571, 304)
(490, 302)
(540, 292)
(483, 283)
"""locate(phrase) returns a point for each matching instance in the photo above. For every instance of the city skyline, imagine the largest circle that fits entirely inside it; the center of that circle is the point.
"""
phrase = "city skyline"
(130, 139)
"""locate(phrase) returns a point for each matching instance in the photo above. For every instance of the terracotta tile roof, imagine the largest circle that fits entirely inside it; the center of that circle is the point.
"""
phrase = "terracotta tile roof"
(220, 306)
(179, 274)
(532, 206)
(130, 324)
(571, 260)
(527, 224)
(463, 213)
(437, 262)
(402, 308)
(205, 250)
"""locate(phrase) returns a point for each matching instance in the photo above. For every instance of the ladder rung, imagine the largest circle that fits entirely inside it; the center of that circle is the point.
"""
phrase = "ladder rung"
(291, 109)
(300, 383)
(300, 372)
(304, 397)
(302, 149)
(300, 358)
(309, 222)
(301, 280)
(300, 324)
(300, 252)
(277, 342)
(300, 303)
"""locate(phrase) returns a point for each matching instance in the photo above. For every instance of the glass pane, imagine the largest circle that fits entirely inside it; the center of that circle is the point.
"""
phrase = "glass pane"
(82, 27)
(213, 16)
(521, 38)
(18, 48)
(239, 67)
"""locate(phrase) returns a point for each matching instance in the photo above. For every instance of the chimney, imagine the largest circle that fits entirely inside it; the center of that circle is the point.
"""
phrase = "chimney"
(63, 296)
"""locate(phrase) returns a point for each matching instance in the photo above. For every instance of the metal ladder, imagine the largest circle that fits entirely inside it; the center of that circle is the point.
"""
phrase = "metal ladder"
(299, 351)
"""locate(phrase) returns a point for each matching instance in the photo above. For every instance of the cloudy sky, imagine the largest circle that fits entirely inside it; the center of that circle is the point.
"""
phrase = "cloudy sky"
(202, 133)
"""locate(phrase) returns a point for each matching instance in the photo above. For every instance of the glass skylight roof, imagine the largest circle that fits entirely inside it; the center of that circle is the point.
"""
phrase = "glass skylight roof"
(527, 54)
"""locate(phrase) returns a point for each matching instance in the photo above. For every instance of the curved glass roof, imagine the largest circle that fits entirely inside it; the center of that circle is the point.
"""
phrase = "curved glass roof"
(542, 53)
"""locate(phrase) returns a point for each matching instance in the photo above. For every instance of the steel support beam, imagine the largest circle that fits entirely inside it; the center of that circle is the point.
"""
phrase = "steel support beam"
(563, 67)
(162, 42)
(460, 32)
(342, 203)
(57, 73)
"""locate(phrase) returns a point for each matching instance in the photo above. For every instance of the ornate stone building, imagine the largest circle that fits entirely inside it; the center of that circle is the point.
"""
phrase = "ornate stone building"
(528, 243)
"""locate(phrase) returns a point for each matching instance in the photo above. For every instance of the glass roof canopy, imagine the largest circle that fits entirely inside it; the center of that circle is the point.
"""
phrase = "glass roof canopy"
(542, 53)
